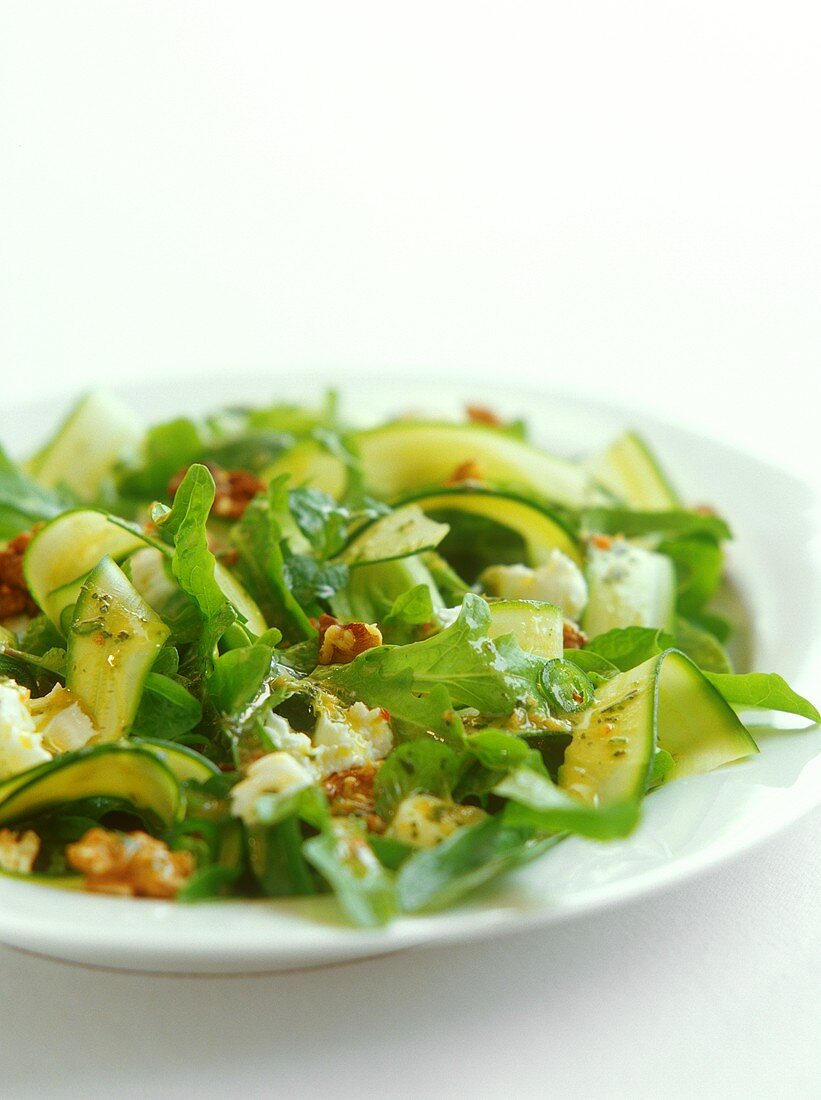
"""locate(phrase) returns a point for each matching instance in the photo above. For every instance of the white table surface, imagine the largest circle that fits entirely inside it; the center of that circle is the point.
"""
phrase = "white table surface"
(613, 198)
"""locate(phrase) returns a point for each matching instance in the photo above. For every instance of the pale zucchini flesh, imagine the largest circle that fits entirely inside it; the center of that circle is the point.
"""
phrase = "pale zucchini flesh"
(664, 703)
(113, 642)
(404, 456)
(60, 556)
(96, 434)
(629, 471)
(537, 627)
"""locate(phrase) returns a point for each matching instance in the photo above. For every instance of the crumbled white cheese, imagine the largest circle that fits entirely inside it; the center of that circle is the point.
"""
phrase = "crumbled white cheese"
(21, 746)
(347, 737)
(287, 739)
(61, 720)
(423, 820)
(274, 773)
(354, 737)
(558, 581)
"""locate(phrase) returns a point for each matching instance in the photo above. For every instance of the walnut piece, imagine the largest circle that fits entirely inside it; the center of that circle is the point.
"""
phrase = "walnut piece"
(573, 635)
(235, 489)
(465, 472)
(15, 598)
(341, 642)
(480, 414)
(132, 864)
(350, 793)
(18, 851)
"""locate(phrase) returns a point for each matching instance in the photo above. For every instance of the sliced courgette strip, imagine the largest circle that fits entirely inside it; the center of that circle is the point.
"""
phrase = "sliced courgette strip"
(537, 627)
(136, 776)
(60, 556)
(113, 642)
(407, 455)
(631, 473)
(541, 530)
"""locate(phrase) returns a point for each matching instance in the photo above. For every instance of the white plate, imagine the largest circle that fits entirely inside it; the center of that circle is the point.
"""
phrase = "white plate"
(686, 827)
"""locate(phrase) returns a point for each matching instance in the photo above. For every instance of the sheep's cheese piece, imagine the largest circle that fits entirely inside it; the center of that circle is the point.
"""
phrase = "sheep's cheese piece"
(423, 821)
(559, 581)
(275, 773)
(61, 721)
(289, 740)
(21, 746)
(357, 736)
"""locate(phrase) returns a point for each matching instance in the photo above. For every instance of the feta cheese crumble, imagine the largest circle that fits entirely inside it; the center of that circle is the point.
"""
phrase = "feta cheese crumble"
(423, 820)
(275, 773)
(21, 746)
(558, 581)
(347, 737)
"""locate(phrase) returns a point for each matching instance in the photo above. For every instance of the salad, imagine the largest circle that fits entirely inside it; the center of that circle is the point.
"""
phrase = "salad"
(264, 654)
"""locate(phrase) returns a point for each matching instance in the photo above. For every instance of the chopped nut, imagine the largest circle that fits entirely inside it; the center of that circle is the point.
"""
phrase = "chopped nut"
(480, 414)
(351, 793)
(601, 542)
(18, 851)
(573, 635)
(132, 864)
(235, 489)
(341, 642)
(15, 598)
(465, 472)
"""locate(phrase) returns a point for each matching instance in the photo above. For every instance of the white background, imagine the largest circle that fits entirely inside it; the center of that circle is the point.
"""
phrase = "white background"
(613, 198)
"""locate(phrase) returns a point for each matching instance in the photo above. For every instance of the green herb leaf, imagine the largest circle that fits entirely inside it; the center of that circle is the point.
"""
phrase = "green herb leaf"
(762, 689)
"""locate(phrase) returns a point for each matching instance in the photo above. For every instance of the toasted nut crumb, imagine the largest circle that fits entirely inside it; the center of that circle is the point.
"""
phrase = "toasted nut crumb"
(15, 598)
(465, 471)
(480, 414)
(601, 542)
(18, 851)
(341, 642)
(235, 489)
(132, 864)
(573, 635)
(351, 793)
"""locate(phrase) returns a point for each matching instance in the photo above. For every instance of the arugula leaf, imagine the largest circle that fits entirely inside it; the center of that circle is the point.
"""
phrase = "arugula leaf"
(762, 689)
(322, 521)
(626, 647)
(258, 538)
(423, 765)
(310, 580)
(192, 563)
(699, 563)
(409, 611)
(363, 887)
(469, 858)
(702, 647)
(674, 523)
(23, 502)
(236, 678)
(461, 660)
(536, 802)
(166, 710)
(167, 449)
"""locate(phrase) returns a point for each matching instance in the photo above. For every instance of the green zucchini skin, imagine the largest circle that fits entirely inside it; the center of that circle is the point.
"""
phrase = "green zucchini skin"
(541, 528)
(113, 642)
(665, 703)
(403, 456)
(61, 555)
(132, 774)
(185, 763)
